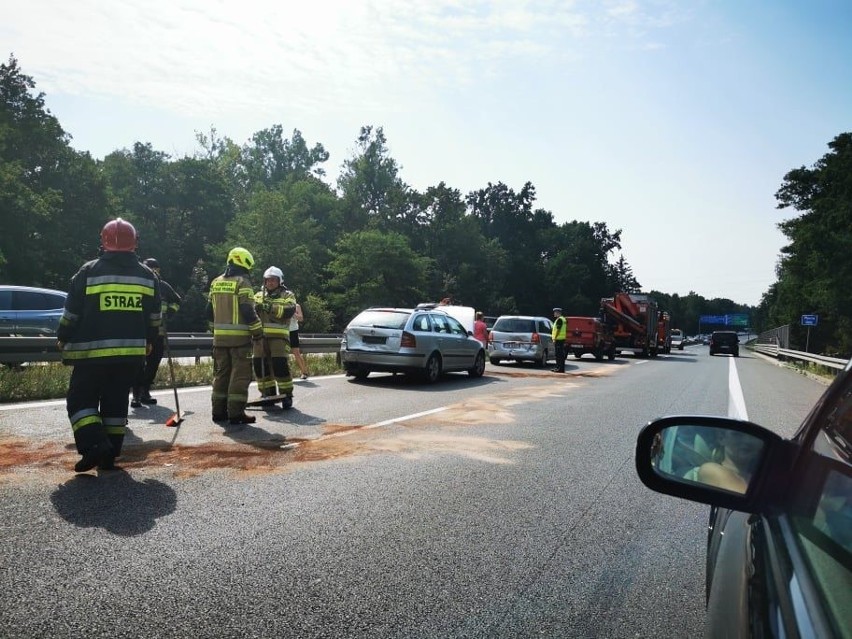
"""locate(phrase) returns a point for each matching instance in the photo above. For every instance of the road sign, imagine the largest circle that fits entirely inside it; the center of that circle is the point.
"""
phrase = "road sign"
(810, 320)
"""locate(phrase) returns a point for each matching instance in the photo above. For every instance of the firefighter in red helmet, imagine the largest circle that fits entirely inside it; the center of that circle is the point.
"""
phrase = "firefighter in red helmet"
(111, 319)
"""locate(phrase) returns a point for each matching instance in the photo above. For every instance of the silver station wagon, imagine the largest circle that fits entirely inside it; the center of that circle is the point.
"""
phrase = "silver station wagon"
(424, 341)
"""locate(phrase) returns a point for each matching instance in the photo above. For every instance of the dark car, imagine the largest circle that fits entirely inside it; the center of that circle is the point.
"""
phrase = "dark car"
(725, 342)
(779, 545)
(30, 312)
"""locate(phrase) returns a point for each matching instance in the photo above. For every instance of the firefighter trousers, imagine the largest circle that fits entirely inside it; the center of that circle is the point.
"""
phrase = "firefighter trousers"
(271, 358)
(97, 403)
(231, 379)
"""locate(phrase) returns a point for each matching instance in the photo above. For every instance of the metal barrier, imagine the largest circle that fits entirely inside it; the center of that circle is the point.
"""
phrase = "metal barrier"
(16, 350)
(783, 353)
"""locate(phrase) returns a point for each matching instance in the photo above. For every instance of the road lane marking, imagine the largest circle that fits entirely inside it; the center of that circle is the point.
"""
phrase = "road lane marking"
(736, 401)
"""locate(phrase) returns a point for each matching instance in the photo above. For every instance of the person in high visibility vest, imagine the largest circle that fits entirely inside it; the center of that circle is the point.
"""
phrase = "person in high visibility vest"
(275, 305)
(111, 319)
(558, 332)
(235, 325)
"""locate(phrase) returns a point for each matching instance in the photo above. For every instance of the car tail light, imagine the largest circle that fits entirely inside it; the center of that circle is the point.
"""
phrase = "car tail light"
(536, 339)
(407, 340)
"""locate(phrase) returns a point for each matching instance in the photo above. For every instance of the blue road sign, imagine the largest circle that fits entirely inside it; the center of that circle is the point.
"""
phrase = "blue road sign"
(810, 320)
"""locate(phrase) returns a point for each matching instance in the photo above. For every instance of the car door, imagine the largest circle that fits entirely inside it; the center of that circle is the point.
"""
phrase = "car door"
(7, 317)
(461, 348)
(37, 313)
(788, 572)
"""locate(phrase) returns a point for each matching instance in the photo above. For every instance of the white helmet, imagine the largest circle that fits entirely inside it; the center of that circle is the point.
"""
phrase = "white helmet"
(274, 271)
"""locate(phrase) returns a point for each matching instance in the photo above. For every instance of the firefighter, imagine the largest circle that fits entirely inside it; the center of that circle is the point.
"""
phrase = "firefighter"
(275, 305)
(110, 322)
(559, 332)
(235, 324)
(170, 305)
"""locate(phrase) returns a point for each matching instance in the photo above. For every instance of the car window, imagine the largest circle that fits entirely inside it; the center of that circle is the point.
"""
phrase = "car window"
(36, 301)
(5, 300)
(421, 323)
(822, 511)
(543, 327)
(381, 319)
(515, 325)
(455, 326)
(441, 323)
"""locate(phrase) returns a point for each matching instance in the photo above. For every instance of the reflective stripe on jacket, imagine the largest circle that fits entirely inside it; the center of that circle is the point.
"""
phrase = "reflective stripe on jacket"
(282, 306)
(234, 319)
(111, 312)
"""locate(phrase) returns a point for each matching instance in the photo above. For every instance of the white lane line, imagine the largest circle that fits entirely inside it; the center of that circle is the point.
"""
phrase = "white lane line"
(736, 401)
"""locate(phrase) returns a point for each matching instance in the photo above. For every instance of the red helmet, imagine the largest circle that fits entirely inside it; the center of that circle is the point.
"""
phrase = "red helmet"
(118, 235)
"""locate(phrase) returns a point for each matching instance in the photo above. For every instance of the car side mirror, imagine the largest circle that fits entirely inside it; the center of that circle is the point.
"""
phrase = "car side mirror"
(712, 460)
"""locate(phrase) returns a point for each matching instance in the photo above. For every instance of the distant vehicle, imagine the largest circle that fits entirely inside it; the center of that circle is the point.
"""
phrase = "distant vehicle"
(29, 311)
(424, 341)
(725, 342)
(678, 340)
(521, 338)
(779, 541)
(589, 335)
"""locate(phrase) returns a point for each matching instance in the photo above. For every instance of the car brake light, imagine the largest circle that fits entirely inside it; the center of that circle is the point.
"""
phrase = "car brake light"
(407, 340)
(536, 339)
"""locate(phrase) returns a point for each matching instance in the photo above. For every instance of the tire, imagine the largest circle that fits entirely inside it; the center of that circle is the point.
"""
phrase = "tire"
(478, 366)
(599, 353)
(433, 369)
(578, 354)
(360, 373)
(611, 354)
(680, 348)
(541, 362)
(495, 361)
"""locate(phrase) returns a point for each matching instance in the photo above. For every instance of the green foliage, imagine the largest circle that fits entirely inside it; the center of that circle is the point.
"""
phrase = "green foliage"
(815, 272)
(319, 318)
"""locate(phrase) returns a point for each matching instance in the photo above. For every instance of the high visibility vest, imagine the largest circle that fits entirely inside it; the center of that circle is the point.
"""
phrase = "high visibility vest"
(111, 312)
(235, 321)
(559, 330)
(282, 306)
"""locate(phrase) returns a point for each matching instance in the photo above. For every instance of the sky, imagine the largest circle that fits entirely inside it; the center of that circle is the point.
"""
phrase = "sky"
(674, 121)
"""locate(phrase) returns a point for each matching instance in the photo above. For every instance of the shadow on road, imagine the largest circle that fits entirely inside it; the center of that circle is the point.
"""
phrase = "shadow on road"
(114, 501)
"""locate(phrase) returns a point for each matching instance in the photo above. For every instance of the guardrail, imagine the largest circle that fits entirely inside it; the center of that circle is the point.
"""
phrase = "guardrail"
(784, 353)
(15, 350)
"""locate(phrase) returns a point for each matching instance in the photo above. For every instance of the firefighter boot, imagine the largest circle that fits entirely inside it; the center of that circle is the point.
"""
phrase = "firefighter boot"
(146, 398)
(135, 403)
(100, 453)
(287, 402)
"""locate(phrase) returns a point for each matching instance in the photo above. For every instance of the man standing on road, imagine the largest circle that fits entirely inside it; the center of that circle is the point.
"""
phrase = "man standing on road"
(558, 332)
(235, 324)
(110, 322)
(170, 305)
(275, 305)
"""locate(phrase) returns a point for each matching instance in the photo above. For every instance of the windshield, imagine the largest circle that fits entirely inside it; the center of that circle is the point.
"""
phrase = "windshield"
(514, 325)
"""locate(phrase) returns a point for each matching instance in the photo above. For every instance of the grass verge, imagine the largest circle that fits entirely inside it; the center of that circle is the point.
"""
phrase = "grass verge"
(50, 381)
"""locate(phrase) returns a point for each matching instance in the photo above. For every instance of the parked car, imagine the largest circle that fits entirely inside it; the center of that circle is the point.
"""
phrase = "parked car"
(678, 340)
(29, 311)
(422, 341)
(725, 342)
(521, 338)
(779, 545)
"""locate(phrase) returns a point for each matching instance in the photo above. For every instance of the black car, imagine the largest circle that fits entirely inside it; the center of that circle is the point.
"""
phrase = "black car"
(779, 545)
(725, 342)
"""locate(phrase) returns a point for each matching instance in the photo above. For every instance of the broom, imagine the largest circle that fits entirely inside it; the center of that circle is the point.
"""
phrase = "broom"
(175, 420)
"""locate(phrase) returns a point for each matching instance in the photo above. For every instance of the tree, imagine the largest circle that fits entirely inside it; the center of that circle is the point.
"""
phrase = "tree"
(374, 268)
(815, 273)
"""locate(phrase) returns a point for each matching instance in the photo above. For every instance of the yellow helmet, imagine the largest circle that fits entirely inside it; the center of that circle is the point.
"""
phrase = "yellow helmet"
(241, 257)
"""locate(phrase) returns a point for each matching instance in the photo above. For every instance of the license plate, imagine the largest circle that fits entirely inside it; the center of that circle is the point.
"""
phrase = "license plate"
(510, 345)
(576, 346)
(374, 339)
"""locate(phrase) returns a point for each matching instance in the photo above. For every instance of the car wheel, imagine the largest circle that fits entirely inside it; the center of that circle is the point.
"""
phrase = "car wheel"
(478, 366)
(578, 354)
(599, 353)
(433, 369)
(680, 348)
(611, 354)
(541, 362)
(360, 373)
(495, 361)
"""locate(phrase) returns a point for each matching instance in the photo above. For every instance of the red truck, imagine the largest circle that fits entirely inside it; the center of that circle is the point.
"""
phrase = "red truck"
(633, 319)
(589, 335)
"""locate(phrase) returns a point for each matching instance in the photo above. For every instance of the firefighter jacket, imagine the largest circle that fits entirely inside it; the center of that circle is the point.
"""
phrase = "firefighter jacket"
(275, 309)
(170, 303)
(230, 309)
(112, 311)
(559, 330)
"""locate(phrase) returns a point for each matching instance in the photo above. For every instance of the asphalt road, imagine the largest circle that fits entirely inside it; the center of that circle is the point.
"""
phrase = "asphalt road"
(501, 507)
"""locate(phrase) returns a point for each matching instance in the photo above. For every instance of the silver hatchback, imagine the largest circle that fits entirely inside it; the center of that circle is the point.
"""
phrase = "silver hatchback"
(426, 342)
(521, 338)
